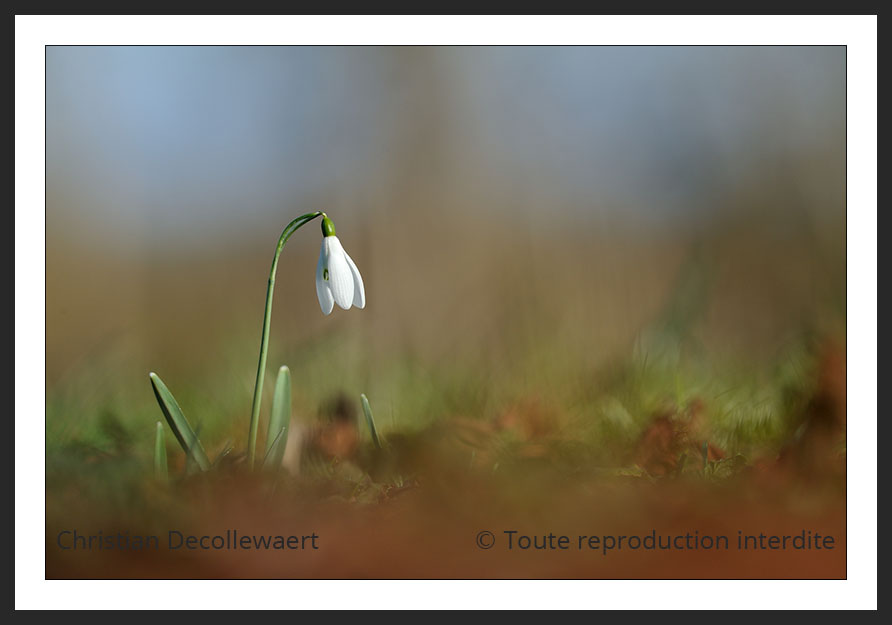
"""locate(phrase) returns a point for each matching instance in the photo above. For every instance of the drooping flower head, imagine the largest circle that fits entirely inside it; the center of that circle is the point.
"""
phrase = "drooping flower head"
(337, 279)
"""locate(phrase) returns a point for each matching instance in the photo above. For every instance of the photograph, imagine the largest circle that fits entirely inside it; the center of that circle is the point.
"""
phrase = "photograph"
(446, 312)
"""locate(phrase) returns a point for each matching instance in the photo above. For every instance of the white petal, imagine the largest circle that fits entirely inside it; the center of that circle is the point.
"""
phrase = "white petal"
(340, 278)
(326, 300)
(358, 287)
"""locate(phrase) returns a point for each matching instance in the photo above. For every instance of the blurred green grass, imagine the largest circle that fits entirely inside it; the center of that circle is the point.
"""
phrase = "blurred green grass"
(554, 346)
(750, 408)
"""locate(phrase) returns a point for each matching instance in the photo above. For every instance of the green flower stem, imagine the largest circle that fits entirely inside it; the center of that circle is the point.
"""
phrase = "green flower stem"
(264, 337)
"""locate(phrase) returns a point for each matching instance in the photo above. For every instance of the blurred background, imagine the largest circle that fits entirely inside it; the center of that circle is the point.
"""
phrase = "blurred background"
(600, 281)
(529, 222)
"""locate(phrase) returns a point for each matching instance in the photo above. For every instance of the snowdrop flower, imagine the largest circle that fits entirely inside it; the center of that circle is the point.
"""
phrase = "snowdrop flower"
(337, 278)
(337, 281)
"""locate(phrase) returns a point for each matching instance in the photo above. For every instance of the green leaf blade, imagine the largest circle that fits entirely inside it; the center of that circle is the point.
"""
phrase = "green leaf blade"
(273, 458)
(160, 453)
(370, 419)
(279, 420)
(184, 433)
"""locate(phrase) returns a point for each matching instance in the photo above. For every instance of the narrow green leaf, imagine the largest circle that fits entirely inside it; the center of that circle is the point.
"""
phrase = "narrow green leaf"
(190, 467)
(273, 457)
(367, 409)
(160, 453)
(279, 420)
(186, 437)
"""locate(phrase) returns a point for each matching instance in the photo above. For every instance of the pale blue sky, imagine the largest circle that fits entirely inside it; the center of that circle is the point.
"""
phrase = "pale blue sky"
(204, 138)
